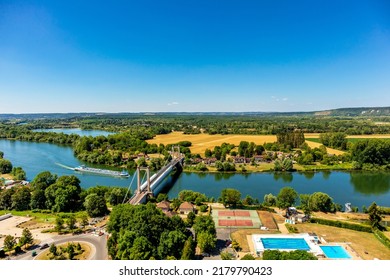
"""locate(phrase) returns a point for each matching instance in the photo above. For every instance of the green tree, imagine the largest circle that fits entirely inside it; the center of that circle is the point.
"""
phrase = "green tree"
(230, 197)
(43, 180)
(292, 255)
(117, 196)
(21, 199)
(171, 244)
(204, 224)
(5, 166)
(206, 241)
(59, 224)
(286, 197)
(248, 200)
(269, 200)
(53, 249)
(191, 219)
(247, 257)
(6, 199)
(227, 256)
(95, 205)
(38, 199)
(9, 243)
(18, 173)
(191, 196)
(26, 238)
(83, 219)
(71, 251)
(142, 249)
(320, 201)
(64, 194)
(188, 249)
(71, 222)
(374, 216)
(128, 222)
(162, 197)
(175, 203)
(305, 203)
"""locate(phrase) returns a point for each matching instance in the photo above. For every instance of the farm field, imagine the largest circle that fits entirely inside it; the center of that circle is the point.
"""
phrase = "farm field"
(330, 150)
(201, 142)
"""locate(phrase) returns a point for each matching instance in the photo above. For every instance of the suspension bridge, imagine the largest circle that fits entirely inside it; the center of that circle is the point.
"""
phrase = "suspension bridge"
(152, 186)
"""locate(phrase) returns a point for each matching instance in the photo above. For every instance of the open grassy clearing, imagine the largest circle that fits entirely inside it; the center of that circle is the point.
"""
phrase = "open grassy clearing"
(37, 217)
(267, 220)
(201, 142)
(85, 247)
(365, 244)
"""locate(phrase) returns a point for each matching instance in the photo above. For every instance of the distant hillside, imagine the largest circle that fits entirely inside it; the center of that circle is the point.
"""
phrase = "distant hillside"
(356, 112)
(342, 112)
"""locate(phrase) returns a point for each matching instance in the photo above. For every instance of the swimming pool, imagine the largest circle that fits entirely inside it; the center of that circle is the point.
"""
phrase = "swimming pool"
(285, 243)
(335, 252)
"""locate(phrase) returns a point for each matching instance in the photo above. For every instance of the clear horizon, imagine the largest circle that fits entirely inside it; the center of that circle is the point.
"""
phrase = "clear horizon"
(197, 56)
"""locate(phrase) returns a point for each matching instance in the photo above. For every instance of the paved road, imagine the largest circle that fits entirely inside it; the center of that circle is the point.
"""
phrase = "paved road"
(97, 243)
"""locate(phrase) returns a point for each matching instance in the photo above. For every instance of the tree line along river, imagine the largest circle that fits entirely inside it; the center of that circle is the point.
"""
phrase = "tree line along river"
(359, 188)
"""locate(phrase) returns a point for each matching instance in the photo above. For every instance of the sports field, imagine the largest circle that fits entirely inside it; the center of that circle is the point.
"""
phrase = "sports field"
(236, 218)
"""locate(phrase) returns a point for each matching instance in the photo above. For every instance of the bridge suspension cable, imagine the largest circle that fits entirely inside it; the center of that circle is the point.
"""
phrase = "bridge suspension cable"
(128, 189)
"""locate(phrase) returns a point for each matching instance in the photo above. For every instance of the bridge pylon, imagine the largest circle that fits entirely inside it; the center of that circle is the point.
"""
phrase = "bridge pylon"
(148, 189)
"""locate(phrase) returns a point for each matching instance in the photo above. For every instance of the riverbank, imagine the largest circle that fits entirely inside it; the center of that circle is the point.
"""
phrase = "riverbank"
(269, 167)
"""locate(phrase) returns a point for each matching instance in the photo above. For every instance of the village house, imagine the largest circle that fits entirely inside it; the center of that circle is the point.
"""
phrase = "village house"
(209, 161)
(164, 205)
(258, 158)
(186, 207)
(239, 159)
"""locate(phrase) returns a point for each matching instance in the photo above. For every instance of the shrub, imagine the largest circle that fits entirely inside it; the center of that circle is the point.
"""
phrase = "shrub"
(248, 257)
(340, 224)
(382, 238)
(203, 208)
(291, 229)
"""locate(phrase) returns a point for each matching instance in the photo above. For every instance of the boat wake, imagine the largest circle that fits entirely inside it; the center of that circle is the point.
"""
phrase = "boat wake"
(64, 166)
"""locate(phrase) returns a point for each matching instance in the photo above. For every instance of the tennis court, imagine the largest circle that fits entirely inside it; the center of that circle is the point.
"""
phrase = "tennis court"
(236, 218)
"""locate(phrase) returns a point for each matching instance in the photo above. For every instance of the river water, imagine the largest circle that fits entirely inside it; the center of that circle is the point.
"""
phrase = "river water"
(359, 188)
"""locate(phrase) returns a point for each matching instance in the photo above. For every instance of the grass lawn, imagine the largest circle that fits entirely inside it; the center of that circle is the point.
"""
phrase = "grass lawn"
(86, 248)
(38, 217)
(365, 244)
(267, 220)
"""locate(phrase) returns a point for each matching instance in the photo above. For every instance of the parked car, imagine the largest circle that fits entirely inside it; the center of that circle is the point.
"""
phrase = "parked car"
(44, 246)
(33, 253)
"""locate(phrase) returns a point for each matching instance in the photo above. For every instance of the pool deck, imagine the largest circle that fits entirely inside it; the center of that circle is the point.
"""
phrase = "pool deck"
(256, 246)
(259, 248)
(347, 247)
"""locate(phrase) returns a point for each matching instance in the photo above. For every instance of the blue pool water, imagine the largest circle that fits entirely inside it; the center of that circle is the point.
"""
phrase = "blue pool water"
(335, 252)
(285, 243)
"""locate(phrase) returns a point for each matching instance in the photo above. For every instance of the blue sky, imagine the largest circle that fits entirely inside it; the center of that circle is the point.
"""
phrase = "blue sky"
(169, 56)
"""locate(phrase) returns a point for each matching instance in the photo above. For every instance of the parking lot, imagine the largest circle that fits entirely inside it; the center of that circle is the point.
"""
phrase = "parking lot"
(9, 226)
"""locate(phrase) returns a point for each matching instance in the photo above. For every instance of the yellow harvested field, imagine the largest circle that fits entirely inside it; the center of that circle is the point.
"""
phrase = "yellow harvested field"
(201, 142)
(330, 150)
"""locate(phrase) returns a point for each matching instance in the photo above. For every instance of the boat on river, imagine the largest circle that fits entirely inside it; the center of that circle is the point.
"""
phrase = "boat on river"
(83, 168)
